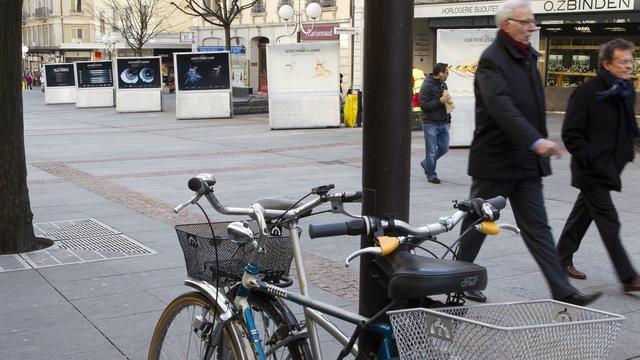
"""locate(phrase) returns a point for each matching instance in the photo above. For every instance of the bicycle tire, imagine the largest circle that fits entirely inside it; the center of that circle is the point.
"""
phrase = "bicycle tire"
(276, 323)
(187, 343)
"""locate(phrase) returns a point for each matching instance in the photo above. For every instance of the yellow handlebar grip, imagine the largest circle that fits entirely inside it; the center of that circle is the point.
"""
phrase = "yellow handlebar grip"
(388, 244)
(488, 227)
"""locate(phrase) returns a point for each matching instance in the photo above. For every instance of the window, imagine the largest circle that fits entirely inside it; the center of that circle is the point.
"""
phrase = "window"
(258, 7)
(75, 6)
(324, 3)
(286, 2)
(76, 34)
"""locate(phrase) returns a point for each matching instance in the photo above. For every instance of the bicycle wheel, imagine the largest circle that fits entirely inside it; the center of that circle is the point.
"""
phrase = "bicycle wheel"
(184, 332)
(277, 327)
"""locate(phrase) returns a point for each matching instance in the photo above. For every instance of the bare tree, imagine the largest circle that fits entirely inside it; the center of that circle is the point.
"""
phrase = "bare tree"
(16, 218)
(138, 21)
(216, 12)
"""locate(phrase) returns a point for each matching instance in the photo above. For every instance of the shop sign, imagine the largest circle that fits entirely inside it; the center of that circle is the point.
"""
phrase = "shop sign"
(320, 33)
(538, 7)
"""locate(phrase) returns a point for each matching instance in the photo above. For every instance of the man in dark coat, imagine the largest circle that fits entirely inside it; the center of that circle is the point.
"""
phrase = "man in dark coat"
(509, 153)
(435, 119)
(599, 129)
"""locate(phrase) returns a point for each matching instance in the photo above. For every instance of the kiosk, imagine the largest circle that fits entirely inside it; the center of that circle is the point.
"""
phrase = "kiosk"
(139, 84)
(203, 88)
(94, 84)
(60, 84)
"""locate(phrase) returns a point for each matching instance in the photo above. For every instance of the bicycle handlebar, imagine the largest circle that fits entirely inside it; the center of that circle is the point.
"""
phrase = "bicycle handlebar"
(487, 209)
(203, 184)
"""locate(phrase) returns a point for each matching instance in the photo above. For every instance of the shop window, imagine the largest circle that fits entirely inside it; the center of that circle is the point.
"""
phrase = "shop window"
(285, 2)
(573, 61)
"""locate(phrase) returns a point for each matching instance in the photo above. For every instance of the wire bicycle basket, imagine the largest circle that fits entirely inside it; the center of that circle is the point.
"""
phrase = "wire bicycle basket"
(217, 260)
(540, 330)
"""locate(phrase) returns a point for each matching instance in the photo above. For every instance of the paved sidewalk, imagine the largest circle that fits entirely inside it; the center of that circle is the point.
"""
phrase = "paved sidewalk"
(127, 171)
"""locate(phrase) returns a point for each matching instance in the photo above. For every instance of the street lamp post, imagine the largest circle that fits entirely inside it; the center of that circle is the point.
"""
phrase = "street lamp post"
(286, 12)
(109, 42)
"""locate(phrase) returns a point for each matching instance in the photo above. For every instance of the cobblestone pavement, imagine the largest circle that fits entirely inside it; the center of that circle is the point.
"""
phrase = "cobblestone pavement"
(129, 170)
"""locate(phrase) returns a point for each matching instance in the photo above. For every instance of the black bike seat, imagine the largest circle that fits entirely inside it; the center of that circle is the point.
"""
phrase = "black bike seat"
(279, 203)
(414, 276)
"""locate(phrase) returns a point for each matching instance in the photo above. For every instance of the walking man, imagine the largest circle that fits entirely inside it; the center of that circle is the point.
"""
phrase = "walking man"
(435, 119)
(509, 153)
(599, 129)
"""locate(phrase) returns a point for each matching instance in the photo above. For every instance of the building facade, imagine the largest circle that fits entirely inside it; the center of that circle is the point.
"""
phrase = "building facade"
(261, 25)
(55, 31)
(571, 32)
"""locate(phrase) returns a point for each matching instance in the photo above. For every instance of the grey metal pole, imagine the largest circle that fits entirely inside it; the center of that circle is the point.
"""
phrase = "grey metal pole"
(388, 32)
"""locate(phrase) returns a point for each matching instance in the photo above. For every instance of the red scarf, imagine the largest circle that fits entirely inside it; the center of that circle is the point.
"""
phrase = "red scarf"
(522, 48)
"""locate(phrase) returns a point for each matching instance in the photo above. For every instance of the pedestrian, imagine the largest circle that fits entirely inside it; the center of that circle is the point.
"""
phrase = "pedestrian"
(435, 119)
(599, 130)
(29, 80)
(509, 153)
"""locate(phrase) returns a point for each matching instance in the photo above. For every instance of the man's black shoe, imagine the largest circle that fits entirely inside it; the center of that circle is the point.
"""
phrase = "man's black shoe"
(581, 299)
(435, 180)
(475, 295)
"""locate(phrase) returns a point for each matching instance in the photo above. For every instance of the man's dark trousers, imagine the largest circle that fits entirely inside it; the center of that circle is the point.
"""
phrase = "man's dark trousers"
(595, 205)
(527, 203)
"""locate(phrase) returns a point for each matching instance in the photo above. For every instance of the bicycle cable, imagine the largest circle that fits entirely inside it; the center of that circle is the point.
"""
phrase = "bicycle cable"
(215, 247)
(457, 242)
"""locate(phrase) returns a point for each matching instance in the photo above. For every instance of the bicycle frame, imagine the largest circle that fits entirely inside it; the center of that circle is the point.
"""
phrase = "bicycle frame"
(313, 309)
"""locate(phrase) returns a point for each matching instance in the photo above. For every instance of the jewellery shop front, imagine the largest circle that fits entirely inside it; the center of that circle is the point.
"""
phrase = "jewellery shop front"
(571, 31)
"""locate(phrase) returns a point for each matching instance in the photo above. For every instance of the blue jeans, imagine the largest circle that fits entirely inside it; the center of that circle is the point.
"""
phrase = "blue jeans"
(436, 140)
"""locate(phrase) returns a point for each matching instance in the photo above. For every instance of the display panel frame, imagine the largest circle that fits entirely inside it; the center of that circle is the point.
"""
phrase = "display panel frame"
(54, 75)
(197, 71)
(94, 74)
(131, 73)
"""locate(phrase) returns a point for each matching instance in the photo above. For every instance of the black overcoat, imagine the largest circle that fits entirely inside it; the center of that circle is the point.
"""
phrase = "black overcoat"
(596, 133)
(510, 115)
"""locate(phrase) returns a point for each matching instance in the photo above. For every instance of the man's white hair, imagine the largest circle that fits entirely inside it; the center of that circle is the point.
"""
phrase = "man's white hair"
(507, 9)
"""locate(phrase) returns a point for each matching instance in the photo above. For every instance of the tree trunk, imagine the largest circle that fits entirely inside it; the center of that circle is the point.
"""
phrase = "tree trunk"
(227, 37)
(16, 228)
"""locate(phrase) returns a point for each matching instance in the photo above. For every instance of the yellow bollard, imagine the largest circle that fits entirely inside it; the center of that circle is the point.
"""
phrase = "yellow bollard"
(24, 85)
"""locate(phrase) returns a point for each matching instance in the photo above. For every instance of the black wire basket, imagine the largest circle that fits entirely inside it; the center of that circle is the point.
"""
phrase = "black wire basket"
(219, 261)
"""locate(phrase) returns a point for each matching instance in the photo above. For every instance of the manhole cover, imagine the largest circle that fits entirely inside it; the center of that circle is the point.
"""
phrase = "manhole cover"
(75, 241)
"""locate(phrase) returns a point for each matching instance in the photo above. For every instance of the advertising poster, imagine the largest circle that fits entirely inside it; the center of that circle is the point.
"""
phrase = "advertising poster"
(238, 63)
(304, 67)
(59, 75)
(139, 73)
(202, 71)
(94, 74)
(461, 49)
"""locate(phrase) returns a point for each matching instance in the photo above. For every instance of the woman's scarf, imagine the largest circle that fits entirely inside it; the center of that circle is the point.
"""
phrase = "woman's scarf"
(623, 90)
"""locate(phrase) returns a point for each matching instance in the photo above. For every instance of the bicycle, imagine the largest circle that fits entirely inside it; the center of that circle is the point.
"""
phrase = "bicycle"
(224, 325)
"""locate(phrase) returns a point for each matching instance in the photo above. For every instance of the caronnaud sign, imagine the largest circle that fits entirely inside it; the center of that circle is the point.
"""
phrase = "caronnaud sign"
(538, 7)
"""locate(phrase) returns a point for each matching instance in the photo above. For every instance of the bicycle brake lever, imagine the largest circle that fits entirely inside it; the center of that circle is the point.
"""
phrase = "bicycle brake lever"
(510, 227)
(193, 200)
(368, 250)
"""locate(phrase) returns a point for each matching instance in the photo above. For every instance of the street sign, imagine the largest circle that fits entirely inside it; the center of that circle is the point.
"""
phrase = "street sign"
(345, 30)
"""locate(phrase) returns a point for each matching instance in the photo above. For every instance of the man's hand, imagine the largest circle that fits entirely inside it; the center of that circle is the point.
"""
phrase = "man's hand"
(445, 98)
(547, 148)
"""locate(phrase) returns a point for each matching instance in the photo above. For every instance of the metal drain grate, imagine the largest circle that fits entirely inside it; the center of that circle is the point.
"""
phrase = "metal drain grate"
(74, 229)
(75, 241)
(112, 243)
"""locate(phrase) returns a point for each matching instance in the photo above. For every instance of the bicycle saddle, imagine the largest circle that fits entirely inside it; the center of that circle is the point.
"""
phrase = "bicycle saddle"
(279, 203)
(413, 276)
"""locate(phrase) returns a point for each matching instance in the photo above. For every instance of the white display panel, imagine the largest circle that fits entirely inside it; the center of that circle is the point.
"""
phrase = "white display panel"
(461, 50)
(304, 85)
(203, 86)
